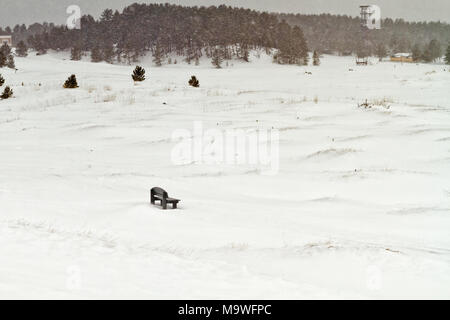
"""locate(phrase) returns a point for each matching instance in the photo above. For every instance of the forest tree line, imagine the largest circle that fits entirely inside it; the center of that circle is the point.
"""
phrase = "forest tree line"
(222, 33)
(343, 35)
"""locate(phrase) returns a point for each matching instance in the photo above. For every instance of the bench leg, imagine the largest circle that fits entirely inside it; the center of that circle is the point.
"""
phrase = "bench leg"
(174, 205)
(164, 204)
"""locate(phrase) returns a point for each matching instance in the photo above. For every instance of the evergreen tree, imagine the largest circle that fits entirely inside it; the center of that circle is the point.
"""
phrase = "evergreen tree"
(435, 49)
(194, 82)
(381, 51)
(2, 80)
(426, 55)
(3, 60)
(22, 49)
(96, 54)
(10, 62)
(71, 82)
(7, 93)
(316, 58)
(447, 55)
(108, 52)
(75, 53)
(416, 53)
(138, 74)
(217, 58)
(244, 52)
(5, 52)
(157, 55)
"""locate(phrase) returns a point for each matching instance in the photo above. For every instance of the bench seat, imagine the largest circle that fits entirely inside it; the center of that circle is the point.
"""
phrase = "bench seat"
(158, 194)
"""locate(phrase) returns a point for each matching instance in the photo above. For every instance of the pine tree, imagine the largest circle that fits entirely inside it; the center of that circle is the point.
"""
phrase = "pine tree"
(2, 80)
(244, 53)
(5, 53)
(416, 53)
(447, 55)
(108, 52)
(316, 58)
(22, 50)
(96, 55)
(426, 55)
(194, 82)
(157, 55)
(10, 62)
(3, 60)
(381, 51)
(217, 58)
(75, 53)
(435, 50)
(71, 82)
(7, 93)
(138, 74)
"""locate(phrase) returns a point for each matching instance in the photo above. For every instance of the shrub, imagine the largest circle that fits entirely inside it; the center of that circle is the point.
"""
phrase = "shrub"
(194, 82)
(2, 80)
(71, 82)
(7, 93)
(138, 74)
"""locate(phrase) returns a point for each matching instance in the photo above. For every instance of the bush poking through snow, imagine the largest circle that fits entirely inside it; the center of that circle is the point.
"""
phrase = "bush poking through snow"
(194, 82)
(7, 93)
(2, 80)
(365, 105)
(138, 74)
(71, 82)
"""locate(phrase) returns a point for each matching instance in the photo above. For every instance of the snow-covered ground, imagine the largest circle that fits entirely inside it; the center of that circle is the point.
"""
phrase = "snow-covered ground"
(360, 207)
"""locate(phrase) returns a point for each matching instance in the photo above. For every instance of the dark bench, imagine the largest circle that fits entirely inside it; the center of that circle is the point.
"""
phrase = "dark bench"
(162, 196)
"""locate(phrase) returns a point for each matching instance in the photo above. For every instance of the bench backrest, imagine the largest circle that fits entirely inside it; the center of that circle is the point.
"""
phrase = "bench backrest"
(159, 192)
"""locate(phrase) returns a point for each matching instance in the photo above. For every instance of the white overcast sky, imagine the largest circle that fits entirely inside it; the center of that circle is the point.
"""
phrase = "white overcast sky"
(28, 11)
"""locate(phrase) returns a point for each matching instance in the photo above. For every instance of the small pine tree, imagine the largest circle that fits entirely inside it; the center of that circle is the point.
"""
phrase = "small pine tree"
(71, 82)
(5, 52)
(447, 55)
(2, 80)
(316, 58)
(7, 93)
(138, 74)
(75, 53)
(194, 82)
(22, 50)
(10, 62)
(217, 58)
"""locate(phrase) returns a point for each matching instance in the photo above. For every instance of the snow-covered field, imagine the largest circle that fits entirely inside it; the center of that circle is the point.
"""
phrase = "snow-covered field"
(360, 207)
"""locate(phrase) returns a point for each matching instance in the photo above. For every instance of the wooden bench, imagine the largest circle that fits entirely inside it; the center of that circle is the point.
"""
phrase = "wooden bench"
(158, 194)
